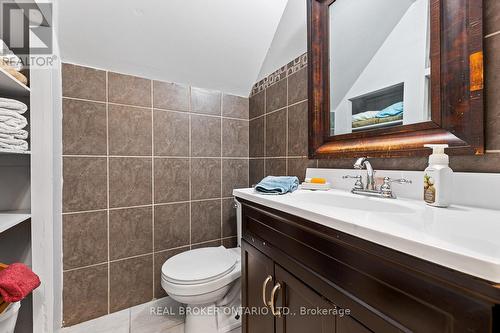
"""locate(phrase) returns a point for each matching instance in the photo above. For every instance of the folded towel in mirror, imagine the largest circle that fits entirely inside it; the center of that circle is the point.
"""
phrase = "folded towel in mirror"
(364, 115)
(390, 111)
(277, 185)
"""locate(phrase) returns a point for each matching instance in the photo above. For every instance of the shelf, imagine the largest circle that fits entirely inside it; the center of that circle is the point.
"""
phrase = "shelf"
(379, 125)
(10, 218)
(10, 87)
(15, 152)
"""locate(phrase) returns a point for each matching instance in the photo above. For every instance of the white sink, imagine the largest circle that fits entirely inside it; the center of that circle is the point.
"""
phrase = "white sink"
(345, 200)
(459, 237)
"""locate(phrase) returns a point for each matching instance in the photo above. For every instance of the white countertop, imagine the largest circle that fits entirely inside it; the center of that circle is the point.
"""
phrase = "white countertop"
(463, 238)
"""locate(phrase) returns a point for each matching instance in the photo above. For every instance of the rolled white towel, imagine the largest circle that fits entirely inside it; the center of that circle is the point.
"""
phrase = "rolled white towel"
(22, 135)
(11, 121)
(9, 57)
(9, 142)
(14, 105)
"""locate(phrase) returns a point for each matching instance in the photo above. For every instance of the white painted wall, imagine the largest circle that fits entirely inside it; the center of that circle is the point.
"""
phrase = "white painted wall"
(217, 44)
(290, 40)
(401, 58)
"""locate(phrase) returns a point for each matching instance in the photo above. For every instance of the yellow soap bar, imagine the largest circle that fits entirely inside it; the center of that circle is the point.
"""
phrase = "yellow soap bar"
(318, 180)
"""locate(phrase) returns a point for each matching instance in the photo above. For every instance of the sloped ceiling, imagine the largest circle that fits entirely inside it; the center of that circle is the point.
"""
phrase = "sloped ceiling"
(290, 40)
(216, 44)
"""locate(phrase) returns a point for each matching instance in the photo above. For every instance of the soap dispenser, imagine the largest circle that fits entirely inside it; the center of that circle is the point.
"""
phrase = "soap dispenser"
(438, 177)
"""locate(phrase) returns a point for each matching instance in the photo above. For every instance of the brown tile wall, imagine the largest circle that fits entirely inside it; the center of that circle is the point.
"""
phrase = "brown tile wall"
(148, 170)
(278, 119)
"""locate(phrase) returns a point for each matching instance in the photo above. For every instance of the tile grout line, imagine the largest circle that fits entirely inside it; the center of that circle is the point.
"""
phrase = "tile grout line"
(190, 167)
(489, 151)
(221, 166)
(279, 109)
(107, 190)
(264, 129)
(144, 254)
(248, 147)
(142, 206)
(286, 129)
(155, 108)
(153, 186)
(148, 156)
(493, 34)
(278, 157)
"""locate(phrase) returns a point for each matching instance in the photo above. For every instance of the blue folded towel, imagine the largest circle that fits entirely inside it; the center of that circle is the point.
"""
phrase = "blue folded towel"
(277, 185)
(393, 110)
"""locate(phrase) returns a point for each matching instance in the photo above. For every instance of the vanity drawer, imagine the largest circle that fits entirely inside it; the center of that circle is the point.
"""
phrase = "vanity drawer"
(387, 291)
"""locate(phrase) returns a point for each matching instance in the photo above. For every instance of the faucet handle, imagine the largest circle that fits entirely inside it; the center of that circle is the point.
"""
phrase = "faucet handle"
(399, 181)
(386, 189)
(358, 185)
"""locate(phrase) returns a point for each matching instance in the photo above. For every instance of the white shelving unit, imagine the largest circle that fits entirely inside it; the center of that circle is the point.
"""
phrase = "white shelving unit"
(16, 229)
(31, 190)
(10, 151)
(14, 88)
(9, 219)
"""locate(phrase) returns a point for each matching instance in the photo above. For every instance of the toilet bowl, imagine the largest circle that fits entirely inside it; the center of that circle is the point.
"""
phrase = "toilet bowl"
(207, 281)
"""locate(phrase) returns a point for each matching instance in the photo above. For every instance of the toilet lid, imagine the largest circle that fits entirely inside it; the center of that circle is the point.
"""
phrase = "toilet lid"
(199, 265)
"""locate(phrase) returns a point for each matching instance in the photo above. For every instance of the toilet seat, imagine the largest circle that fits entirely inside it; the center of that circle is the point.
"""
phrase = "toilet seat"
(200, 271)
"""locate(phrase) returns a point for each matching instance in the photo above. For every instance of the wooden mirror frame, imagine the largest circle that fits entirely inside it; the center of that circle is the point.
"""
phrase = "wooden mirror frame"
(457, 116)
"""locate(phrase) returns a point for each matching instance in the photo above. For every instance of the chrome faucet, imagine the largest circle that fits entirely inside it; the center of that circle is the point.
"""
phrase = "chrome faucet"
(385, 190)
(363, 163)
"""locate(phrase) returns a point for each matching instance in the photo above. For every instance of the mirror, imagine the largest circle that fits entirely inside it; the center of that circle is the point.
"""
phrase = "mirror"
(379, 64)
(386, 77)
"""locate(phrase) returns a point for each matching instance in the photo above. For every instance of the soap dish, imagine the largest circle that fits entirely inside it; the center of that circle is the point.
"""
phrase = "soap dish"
(315, 186)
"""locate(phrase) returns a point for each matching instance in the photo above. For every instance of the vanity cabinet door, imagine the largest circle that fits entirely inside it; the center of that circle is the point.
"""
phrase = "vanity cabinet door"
(349, 325)
(257, 277)
(300, 306)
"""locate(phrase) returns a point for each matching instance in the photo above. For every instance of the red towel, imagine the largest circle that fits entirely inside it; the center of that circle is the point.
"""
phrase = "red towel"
(16, 282)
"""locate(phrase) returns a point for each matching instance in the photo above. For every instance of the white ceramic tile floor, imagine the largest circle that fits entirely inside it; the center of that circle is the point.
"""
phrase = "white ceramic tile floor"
(138, 319)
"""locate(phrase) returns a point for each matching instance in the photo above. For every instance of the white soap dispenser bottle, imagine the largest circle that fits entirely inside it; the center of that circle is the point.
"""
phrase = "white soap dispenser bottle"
(438, 177)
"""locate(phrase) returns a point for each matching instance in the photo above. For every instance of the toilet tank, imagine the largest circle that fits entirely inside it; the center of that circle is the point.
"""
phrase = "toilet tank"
(237, 205)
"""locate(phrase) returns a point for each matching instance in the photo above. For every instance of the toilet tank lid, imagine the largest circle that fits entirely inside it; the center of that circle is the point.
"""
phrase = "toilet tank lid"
(199, 265)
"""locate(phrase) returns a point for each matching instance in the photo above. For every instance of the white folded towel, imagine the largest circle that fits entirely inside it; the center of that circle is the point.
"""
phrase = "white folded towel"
(11, 122)
(12, 104)
(364, 115)
(10, 142)
(9, 57)
(22, 135)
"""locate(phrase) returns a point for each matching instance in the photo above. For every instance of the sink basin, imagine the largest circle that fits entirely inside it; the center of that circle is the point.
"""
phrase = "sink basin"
(342, 200)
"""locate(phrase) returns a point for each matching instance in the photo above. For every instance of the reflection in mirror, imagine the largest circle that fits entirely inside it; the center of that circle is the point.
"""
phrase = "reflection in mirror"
(379, 64)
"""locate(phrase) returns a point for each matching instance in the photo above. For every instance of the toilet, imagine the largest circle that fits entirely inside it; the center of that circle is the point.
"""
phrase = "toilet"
(207, 281)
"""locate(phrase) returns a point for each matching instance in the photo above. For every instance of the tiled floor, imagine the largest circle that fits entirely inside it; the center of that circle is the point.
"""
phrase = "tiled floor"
(138, 319)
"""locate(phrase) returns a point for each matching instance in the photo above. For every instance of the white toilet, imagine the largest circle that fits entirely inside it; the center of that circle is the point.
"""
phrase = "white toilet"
(207, 280)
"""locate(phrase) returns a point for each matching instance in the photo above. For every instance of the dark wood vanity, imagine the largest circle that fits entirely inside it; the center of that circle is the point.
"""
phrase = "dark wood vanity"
(359, 285)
